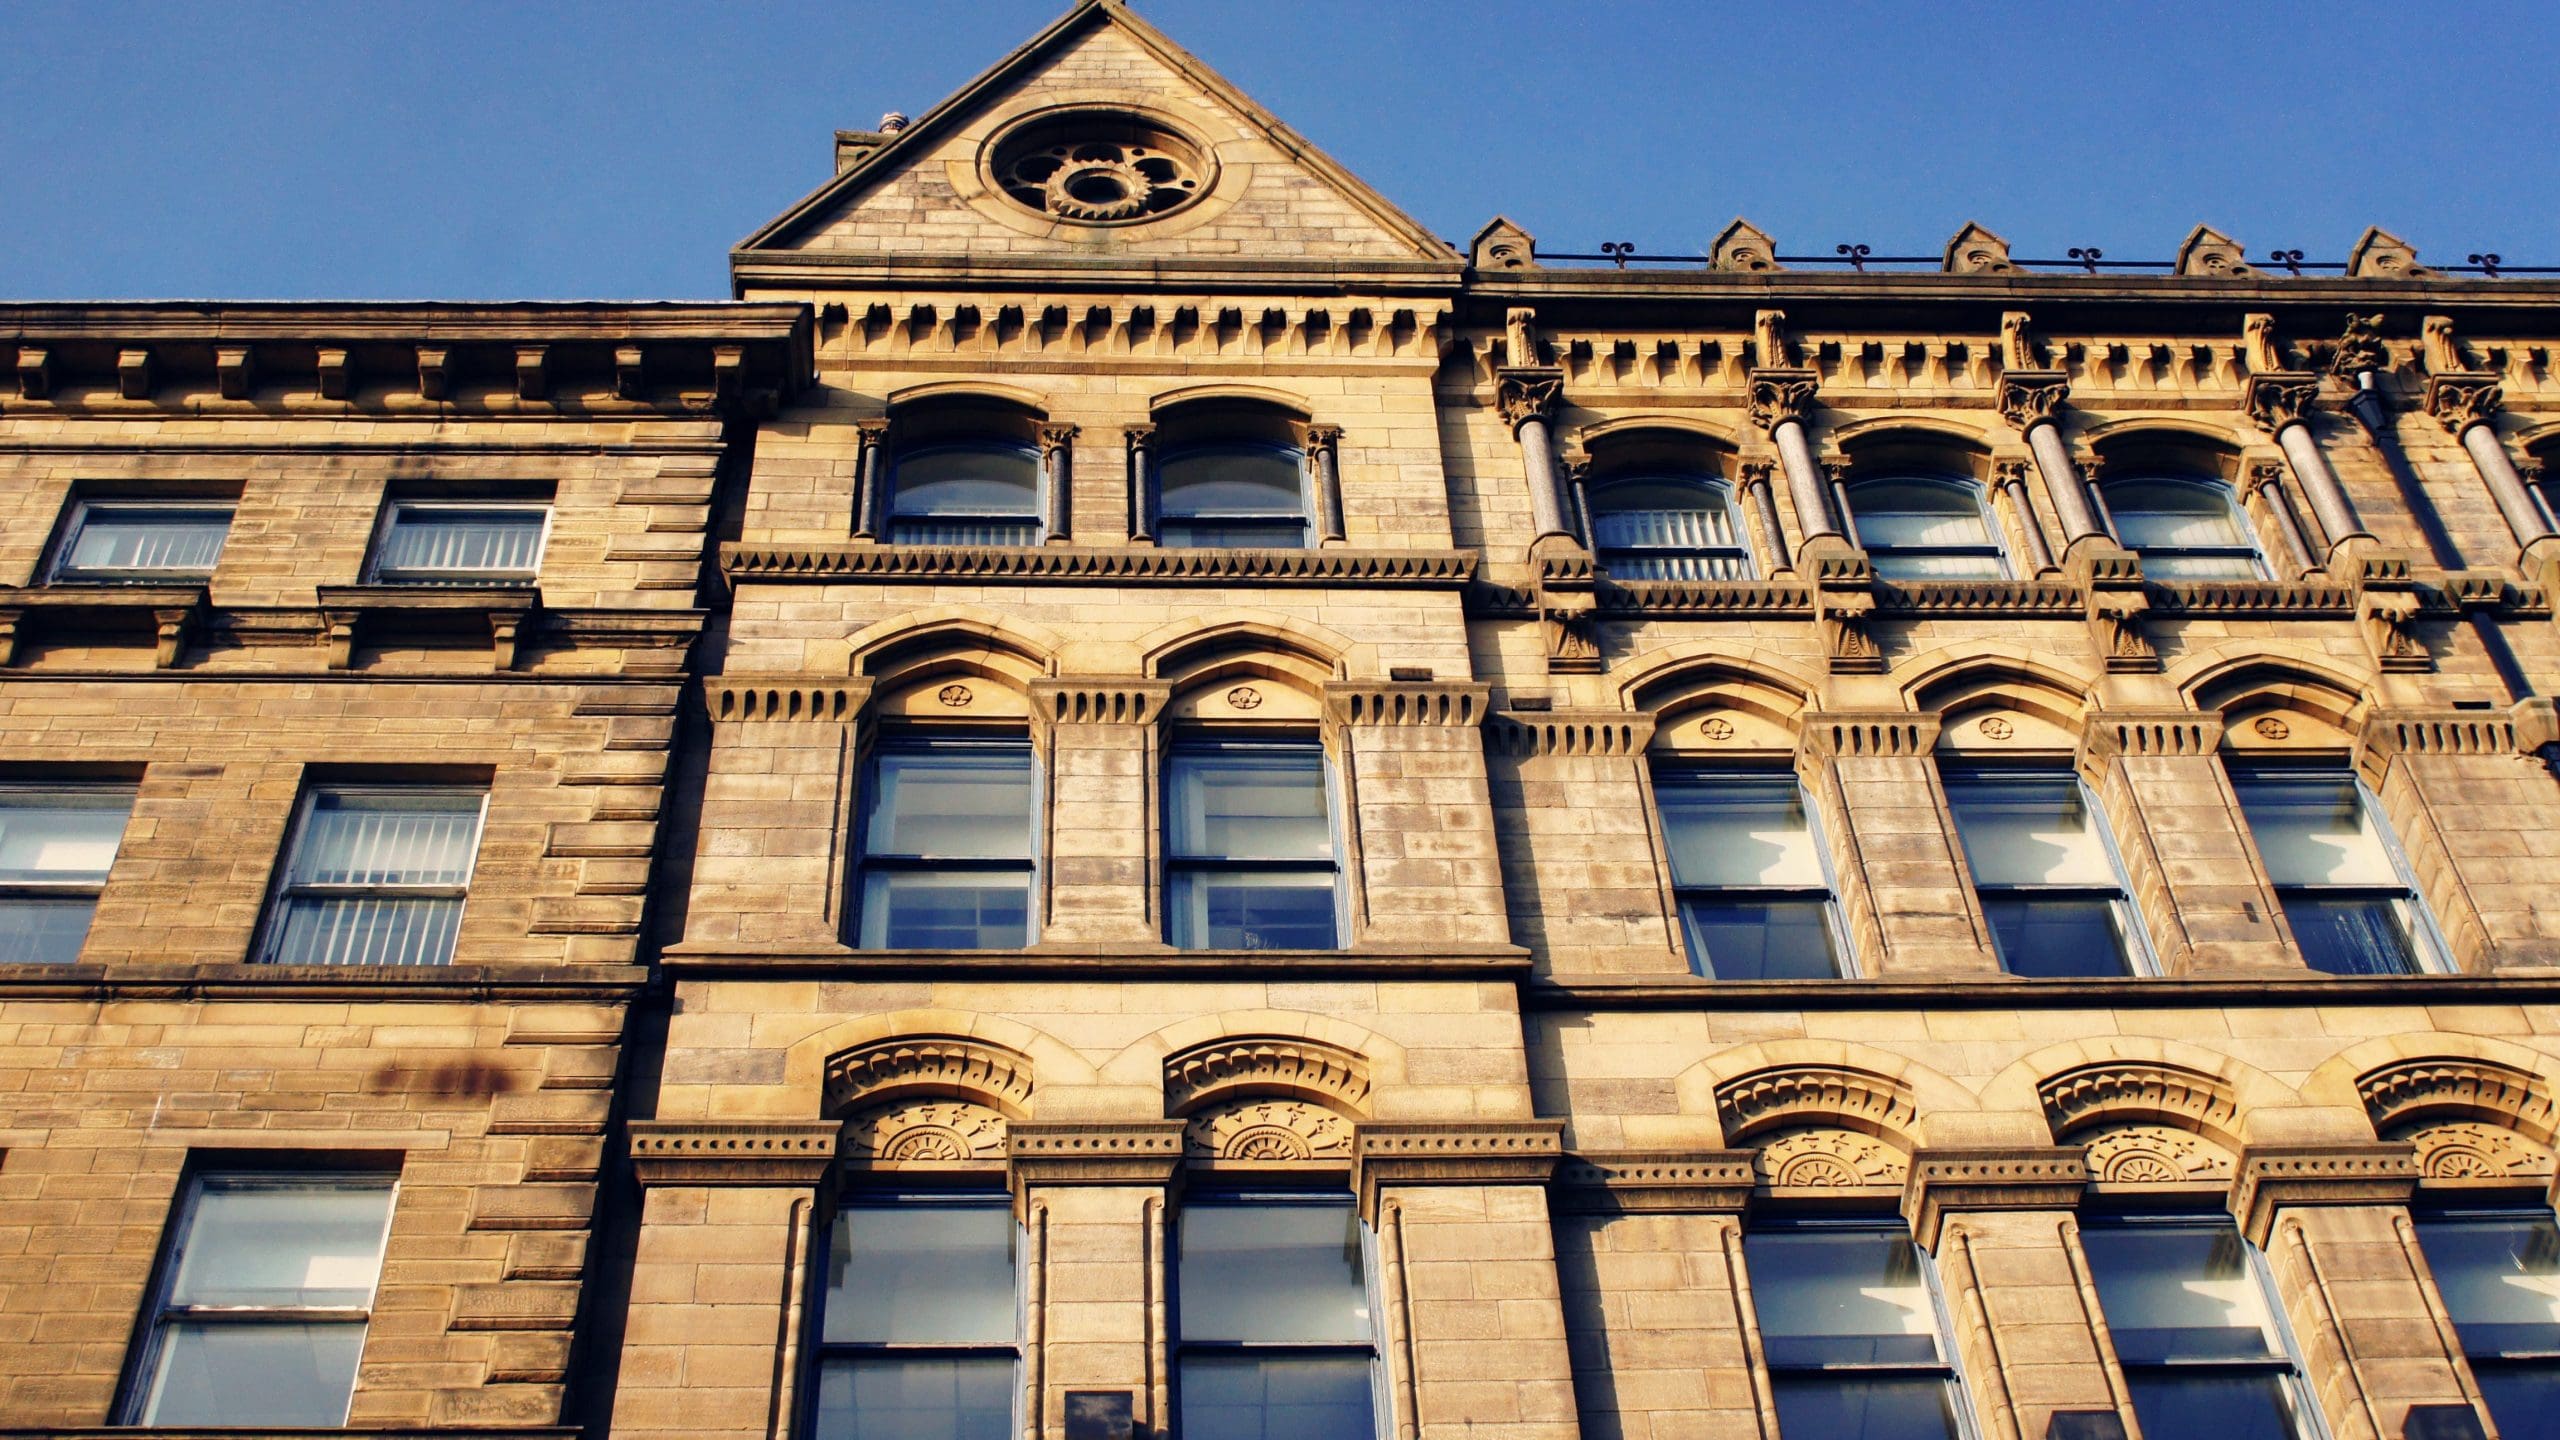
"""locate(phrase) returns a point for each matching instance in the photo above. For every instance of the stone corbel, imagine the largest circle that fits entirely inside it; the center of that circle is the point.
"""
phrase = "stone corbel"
(235, 371)
(1528, 733)
(533, 372)
(631, 372)
(35, 372)
(336, 369)
(435, 373)
(831, 699)
(1948, 1182)
(1139, 1152)
(11, 617)
(1568, 608)
(2118, 608)
(2273, 1177)
(1403, 703)
(339, 624)
(728, 375)
(2110, 735)
(2387, 606)
(1653, 1182)
(1866, 734)
(1844, 604)
(1454, 1152)
(133, 373)
(505, 628)
(170, 625)
(783, 1153)
(1100, 701)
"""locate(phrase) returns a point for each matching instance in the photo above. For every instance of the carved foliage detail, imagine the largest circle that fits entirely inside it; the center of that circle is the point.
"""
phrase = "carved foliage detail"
(1824, 1157)
(940, 1064)
(2155, 1155)
(926, 1131)
(1265, 1065)
(1778, 396)
(1269, 1131)
(1526, 396)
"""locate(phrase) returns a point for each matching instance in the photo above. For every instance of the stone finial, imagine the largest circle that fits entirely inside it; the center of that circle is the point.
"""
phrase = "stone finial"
(2213, 255)
(1975, 250)
(893, 122)
(2381, 255)
(1501, 245)
(1744, 246)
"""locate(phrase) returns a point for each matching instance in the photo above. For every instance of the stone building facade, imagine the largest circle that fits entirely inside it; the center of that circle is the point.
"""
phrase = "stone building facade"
(1135, 798)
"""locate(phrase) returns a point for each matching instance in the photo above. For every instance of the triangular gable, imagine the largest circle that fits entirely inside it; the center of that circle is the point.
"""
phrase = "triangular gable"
(926, 194)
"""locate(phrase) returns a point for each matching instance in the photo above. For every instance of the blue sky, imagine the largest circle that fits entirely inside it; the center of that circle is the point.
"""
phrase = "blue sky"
(400, 149)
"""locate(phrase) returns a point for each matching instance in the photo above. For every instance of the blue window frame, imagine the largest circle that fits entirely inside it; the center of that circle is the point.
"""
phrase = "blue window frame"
(978, 493)
(1249, 846)
(1852, 1330)
(2184, 527)
(919, 1334)
(1747, 867)
(1667, 527)
(141, 542)
(946, 858)
(1924, 527)
(1274, 1335)
(57, 843)
(1244, 494)
(2196, 1327)
(2347, 892)
(2499, 1273)
(2046, 871)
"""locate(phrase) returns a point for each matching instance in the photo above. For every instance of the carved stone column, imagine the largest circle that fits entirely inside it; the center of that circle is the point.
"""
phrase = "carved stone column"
(1324, 446)
(1141, 440)
(2010, 477)
(1528, 396)
(870, 477)
(714, 1343)
(2329, 1220)
(2027, 1322)
(1428, 872)
(2281, 403)
(2265, 492)
(1057, 481)
(1649, 1253)
(780, 779)
(1768, 533)
(2467, 406)
(1781, 400)
(2030, 400)
(1903, 889)
(1101, 743)
(1093, 1201)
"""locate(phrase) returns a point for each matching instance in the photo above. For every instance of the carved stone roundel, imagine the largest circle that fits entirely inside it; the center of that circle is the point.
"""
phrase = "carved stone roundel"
(955, 696)
(2272, 727)
(1718, 728)
(1268, 1131)
(925, 1131)
(1824, 1158)
(1100, 167)
(1997, 727)
(1244, 697)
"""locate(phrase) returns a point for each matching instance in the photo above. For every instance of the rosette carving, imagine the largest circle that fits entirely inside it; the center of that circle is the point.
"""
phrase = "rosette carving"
(1267, 1131)
(908, 1132)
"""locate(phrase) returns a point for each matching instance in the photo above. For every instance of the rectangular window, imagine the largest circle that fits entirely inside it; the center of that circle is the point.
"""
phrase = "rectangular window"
(2196, 1328)
(1850, 1326)
(141, 541)
(919, 1334)
(1249, 846)
(2499, 1274)
(2046, 873)
(2347, 894)
(375, 875)
(447, 543)
(262, 1301)
(56, 846)
(946, 845)
(1746, 863)
(1275, 1339)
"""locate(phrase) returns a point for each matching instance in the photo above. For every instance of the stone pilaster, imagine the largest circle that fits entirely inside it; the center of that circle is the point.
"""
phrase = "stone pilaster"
(1102, 751)
(2184, 841)
(774, 799)
(1429, 873)
(1097, 1312)
(1904, 890)
(1574, 813)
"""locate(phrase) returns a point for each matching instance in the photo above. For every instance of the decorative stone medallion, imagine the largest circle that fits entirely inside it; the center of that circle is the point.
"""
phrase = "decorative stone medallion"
(2154, 1155)
(1268, 1131)
(926, 1132)
(1245, 697)
(1718, 728)
(955, 696)
(1822, 1158)
(1997, 727)
(2272, 727)
(1100, 167)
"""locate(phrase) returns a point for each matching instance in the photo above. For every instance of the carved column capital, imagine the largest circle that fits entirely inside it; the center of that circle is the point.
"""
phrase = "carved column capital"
(1320, 437)
(2262, 475)
(2458, 402)
(2029, 398)
(2006, 473)
(1056, 435)
(2281, 398)
(1139, 437)
(2360, 349)
(1756, 473)
(1780, 395)
(2274, 1177)
(1526, 393)
(1943, 1182)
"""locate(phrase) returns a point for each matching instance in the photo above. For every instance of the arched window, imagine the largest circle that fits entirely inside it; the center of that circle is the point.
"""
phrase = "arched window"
(966, 492)
(1667, 526)
(1245, 493)
(2185, 527)
(1925, 527)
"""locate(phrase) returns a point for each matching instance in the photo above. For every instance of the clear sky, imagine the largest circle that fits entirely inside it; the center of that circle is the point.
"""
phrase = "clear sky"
(576, 148)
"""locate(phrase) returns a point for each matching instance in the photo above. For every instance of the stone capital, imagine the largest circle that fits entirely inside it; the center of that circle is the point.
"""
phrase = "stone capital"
(1100, 701)
(2280, 398)
(2029, 398)
(1137, 1152)
(1524, 393)
(1653, 1182)
(2458, 402)
(732, 1152)
(1323, 437)
(1056, 435)
(1780, 395)
(2275, 1177)
(1409, 702)
(1453, 1152)
(803, 699)
(1946, 1182)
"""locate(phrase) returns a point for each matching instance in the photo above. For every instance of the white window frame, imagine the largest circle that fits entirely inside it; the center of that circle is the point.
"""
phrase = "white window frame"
(2140, 960)
(1337, 825)
(68, 889)
(2432, 953)
(376, 574)
(271, 928)
(892, 1197)
(63, 572)
(1677, 768)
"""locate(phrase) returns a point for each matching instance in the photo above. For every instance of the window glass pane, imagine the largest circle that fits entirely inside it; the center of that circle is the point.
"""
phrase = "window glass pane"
(1852, 1409)
(1689, 520)
(1233, 802)
(1760, 940)
(2523, 1399)
(46, 931)
(968, 480)
(972, 801)
(2185, 1292)
(66, 837)
(918, 1397)
(2351, 936)
(945, 910)
(1244, 480)
(1912, 565)
(2199, 565)
(1737, 830)
(1848, 1296)
(1272, 1397)
(275, 1243)
(2047, 938)
(150, 538)
(2314, 829)
(1909, 513)
(1233, 534)
(254, 1373)
(2029, 830)
(2500, 1279)
(922, 1272)
(955, 531)
(1251, 910)
(2219, 1406)
(367, 930)
(373, 837)
(2174, 514)
(1286, 1273)
(461, 540)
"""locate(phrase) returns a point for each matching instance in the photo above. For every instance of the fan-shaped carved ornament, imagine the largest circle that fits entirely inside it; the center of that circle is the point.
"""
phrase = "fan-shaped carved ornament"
(2469, 1150)
(1269, 1132)
(1265, 1065)
(2412, 1093)
(2114, 1091)
(2155, 1155)
(908, 1132)
(1827, 1158)
(1767, 1100)
(946, 1065)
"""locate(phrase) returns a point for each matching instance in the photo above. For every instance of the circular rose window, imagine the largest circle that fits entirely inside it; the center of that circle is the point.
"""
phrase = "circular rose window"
(1099, 167)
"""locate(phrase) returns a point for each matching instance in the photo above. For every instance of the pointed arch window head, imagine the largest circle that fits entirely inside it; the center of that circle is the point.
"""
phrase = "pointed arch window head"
(2185, 527)
(1667, 526)
(1249, 494)
(966, 492)
(1925, 527)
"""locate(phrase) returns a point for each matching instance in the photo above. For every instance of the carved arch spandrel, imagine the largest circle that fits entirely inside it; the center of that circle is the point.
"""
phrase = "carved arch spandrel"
(2145, 1122)
(904, 645)
(925, 1130)
(2470, 1119)
(941, 1066)
(1284, 1066)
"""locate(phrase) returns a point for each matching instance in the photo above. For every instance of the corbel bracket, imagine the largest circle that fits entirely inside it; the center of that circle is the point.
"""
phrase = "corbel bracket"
(1844, 603)
(2387, 608)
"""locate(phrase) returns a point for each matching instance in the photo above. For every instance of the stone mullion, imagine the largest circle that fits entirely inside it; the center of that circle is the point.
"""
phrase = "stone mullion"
(1583, 865)
(1902, 874)
(1425, 868)
(2185, 843)
(1094, 1199)
(776, 796)
(1098, 880)
(2407, 792)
